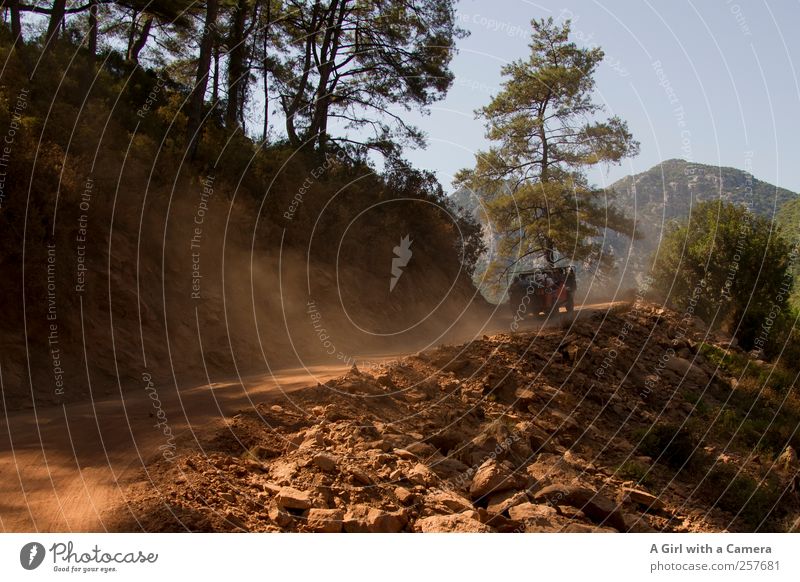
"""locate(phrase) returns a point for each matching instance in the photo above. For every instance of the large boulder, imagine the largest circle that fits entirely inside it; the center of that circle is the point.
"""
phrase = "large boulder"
(596, 507)
(494, 477)
(419, 474)
(279, 516)
(501, 502)
(325, 520)
(364, 519)
(291, 498)
(686, 368)
(445, 502)
(421, 450)
(539, 515)
(325, 461)
(404, 496)
(525, 397)
(466, 522)
(643, 498)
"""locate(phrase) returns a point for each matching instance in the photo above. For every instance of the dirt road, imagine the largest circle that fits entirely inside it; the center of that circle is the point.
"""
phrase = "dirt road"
(64, 467)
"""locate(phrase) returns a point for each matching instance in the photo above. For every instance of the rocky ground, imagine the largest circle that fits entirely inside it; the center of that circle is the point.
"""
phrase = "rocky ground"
(526, 432)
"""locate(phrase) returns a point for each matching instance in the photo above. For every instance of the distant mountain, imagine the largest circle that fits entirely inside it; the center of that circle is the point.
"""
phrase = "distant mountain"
(466, 203)
(670, 189)
(464, 200)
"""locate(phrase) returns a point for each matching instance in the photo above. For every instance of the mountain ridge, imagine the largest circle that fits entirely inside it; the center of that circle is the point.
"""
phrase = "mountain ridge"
(676, 175)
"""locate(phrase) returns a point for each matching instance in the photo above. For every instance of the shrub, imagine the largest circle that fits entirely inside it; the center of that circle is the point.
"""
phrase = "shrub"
(635, 471)
(671, 444)
(726, 261)
(751, 501)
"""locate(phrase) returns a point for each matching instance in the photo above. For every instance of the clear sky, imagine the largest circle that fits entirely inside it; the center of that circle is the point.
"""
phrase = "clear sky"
(712, 81)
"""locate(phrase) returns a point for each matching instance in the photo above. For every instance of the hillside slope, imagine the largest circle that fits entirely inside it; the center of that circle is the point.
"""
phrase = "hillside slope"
(124, 258)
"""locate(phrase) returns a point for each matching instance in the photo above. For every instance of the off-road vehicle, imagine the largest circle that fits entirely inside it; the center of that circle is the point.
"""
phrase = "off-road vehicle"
(543, 291)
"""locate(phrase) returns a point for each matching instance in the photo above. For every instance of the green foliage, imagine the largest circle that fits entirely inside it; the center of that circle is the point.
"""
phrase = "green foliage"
(671, 444)
(533, 181)
(721, 485)
(696, 400)
(338, 69)
(789, 221)
(751, 420)
(729, 267)
(740, 366)
(170, 11)
(352, 63)
(760, 413)
(732, 362)
(753, 502)
(635, 471)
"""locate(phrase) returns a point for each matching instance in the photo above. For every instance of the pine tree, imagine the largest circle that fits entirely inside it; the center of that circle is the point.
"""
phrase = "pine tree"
(533, 180)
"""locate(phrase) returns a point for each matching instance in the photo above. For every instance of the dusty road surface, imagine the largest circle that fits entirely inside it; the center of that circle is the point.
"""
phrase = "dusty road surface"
(63, 467)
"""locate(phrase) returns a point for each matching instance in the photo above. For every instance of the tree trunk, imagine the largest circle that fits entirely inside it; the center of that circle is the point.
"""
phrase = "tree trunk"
(291, 107)
(93, 31)
(266, 69)
(328, 51)
(138, 45)
(544, 178)
(16, 20)
(549, 253)
(266, 105)
(215, 80)
(132, 33)
(197, 97)
(236, 68)
(56, 18)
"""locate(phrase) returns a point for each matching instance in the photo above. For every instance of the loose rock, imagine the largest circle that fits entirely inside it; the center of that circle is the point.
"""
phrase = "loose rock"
(493, 477)
(290, 498)
(461, 523)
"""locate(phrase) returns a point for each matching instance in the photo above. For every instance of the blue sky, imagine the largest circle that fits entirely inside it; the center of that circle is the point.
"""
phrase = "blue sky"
(714, 82)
